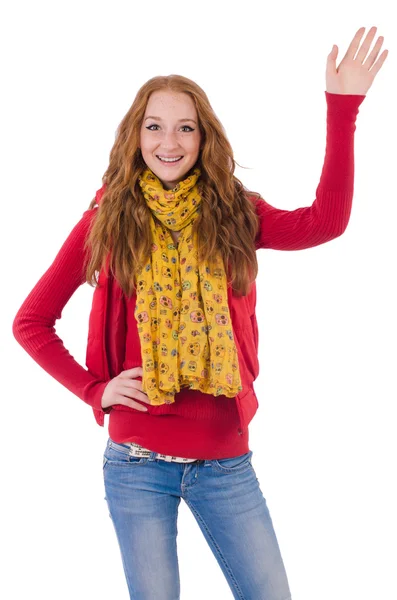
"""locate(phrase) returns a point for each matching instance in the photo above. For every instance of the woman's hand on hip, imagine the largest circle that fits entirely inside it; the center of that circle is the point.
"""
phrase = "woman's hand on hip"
(124, 387)
(355, 75)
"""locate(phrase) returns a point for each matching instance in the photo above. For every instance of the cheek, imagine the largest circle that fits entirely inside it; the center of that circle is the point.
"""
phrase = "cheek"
(192, 145)
(145, 142)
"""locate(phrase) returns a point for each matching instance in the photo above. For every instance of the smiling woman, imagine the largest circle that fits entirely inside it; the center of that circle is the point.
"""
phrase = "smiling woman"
(172, 352)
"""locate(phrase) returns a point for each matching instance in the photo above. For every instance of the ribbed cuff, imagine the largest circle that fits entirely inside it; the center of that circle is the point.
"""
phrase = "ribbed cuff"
(344, 105)
(93, 393)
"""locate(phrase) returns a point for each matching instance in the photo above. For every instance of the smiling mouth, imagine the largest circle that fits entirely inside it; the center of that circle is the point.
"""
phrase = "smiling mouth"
(168, 162)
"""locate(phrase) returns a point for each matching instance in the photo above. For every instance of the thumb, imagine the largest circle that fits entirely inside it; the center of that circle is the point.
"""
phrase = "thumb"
(331, 60)
(333, 54)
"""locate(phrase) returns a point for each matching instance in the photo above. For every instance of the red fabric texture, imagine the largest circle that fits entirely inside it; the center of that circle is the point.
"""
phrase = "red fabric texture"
(197, 425)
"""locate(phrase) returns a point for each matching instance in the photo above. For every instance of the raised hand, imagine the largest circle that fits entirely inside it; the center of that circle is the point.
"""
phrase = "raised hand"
(353, 75)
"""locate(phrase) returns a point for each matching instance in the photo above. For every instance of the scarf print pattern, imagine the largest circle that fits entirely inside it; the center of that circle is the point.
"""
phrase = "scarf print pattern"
(182, 310)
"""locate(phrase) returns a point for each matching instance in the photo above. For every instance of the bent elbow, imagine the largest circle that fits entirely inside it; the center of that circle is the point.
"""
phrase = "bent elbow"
(17, 327)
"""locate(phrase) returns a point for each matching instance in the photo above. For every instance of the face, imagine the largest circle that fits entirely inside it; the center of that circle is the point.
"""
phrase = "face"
(170, 130)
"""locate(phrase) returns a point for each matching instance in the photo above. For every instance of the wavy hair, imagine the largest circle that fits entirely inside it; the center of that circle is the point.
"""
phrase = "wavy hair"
(227, 222)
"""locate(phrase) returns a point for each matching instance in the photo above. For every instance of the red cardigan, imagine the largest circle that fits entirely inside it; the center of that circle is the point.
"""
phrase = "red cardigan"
(197, 425)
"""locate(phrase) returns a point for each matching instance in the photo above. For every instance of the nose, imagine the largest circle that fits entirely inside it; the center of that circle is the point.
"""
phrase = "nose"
(170, 141)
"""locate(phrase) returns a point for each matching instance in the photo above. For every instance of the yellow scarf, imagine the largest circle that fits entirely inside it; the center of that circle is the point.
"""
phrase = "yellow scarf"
(182, 311)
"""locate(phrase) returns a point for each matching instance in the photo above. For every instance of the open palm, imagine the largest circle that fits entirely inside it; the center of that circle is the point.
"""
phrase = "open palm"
(353, 75)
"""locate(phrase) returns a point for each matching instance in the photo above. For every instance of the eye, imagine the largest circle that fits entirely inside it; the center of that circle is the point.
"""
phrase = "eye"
(183, 127)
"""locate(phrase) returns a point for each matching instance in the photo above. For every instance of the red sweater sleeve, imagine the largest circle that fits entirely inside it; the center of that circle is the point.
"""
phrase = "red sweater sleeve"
(328, 216)
(33, 325)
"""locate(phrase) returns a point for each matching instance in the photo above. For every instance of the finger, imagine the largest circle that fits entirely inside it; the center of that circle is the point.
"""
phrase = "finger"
(375, 51)
(130, 382)
(375, 69)
(130, 392)
(354, 44)
(362, 53)
(125, 401)
(134, 384)
(134, 372)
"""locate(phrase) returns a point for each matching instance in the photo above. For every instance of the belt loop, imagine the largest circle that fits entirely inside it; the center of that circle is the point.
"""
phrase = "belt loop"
(152, 456)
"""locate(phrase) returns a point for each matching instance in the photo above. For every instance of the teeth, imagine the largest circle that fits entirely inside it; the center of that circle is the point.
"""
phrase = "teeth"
(170, 159)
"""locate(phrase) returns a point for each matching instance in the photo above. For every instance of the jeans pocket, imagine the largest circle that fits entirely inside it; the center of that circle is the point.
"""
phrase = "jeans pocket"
(117, 455)
(235, 464)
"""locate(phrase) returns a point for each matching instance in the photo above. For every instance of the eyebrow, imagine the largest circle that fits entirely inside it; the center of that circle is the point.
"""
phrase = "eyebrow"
(179, 120)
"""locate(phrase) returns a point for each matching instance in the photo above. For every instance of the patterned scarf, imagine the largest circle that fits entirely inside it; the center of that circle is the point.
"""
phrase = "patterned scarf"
(181, 308)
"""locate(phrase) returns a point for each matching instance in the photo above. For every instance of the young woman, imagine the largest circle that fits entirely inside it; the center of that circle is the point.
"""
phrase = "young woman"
(173, 337)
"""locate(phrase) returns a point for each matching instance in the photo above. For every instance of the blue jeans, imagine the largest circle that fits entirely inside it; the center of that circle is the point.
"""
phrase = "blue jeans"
(143, 496)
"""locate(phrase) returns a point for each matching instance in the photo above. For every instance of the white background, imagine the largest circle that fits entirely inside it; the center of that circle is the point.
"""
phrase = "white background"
(323, 438)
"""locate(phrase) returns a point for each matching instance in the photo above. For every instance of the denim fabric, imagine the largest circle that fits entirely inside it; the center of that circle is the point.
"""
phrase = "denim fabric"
(143, 496)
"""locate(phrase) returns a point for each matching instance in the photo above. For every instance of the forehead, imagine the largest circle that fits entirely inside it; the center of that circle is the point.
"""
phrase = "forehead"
(162, 101)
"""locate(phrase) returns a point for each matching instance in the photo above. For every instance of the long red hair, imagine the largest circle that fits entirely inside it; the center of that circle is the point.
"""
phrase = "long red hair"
(227, 223)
